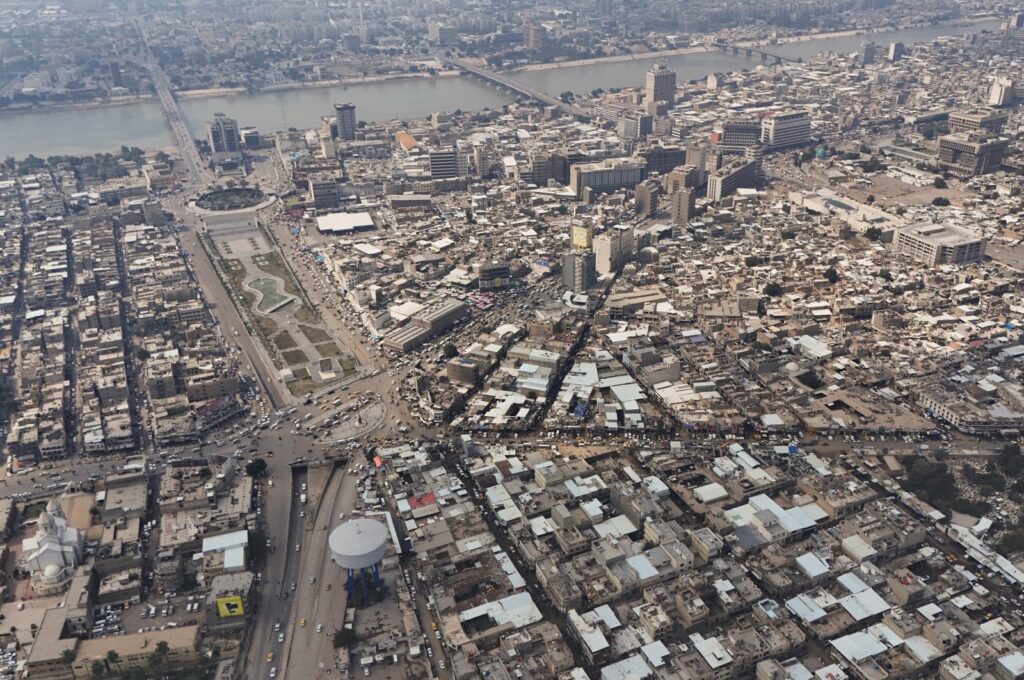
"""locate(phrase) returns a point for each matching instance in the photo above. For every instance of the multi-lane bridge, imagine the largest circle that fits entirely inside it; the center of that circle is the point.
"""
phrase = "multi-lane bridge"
(751, 51)
(513, 85)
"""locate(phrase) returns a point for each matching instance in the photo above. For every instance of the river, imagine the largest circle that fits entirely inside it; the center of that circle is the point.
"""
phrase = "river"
(142, 124)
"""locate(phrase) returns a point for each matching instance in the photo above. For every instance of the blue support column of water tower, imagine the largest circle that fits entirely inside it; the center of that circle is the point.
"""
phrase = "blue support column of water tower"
(358, 546)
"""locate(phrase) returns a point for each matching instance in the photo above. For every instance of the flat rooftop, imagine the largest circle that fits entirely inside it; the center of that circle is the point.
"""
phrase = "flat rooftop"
(942, 234)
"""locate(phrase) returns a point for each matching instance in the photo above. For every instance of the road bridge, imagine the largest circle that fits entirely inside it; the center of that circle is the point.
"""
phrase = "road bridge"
(750, 51)
(513, 85)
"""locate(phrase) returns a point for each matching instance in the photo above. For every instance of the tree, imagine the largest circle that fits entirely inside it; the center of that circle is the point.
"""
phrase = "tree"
(343, 637)
(156, 659)
(753, 261)
(1012, 542)
(67, 657)
(114, 659)
(773, 289)
(831, 275)
(933, 482)
(940, 201)
(870, 199)
(450, 351)
(97, 669)
(257, 467)
(939, 183)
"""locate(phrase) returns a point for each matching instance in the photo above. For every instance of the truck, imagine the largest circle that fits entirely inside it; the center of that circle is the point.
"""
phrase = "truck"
(302, 498)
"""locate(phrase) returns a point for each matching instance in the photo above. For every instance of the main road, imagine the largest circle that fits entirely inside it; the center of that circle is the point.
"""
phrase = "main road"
(224, 311)
(321, 598)
(227, 315)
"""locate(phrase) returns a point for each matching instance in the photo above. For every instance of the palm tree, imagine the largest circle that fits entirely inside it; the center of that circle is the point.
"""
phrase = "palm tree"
(67, 657)
(97, 669)
(113, 658)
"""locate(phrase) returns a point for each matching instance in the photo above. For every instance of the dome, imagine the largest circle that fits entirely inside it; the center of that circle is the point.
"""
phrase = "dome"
(52, 571)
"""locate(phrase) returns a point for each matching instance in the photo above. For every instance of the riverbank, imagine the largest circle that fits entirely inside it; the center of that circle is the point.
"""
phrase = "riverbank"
(319, 84)
(223, 92)
(113, 102)
(698, 49)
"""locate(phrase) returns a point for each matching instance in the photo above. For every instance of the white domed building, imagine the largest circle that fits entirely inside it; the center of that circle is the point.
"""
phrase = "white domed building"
(53, 554)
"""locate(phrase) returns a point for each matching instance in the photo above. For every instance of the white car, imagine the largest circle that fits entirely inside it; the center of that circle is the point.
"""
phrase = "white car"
(280, 637)
(273, 672)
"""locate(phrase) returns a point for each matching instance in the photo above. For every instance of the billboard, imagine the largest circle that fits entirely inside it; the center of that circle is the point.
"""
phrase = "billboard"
(230, 606)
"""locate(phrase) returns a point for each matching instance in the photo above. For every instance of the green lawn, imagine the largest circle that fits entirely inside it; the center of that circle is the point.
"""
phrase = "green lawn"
(314, 334)
(284, 341)
(295, 357)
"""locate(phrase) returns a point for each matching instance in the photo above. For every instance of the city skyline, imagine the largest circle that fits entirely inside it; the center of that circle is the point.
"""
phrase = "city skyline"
(556, 340)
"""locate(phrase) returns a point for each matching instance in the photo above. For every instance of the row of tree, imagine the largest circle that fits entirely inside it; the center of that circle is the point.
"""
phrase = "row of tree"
(112, 666)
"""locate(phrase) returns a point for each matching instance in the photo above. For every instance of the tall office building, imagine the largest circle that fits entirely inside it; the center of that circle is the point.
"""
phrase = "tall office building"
(116, 75)
(684, 177)
(646, 197)
(535, 37)
(482, 161)
(345, 118)
(737, 133)
(896, 51)
(741, 173)
(222, 133)
(635, 126)
(786, 128)
(868, 50)
(578, 273)
(447, 163)
(967, 154)
(684, 205)
(613, 248)
(977, 121)
(442, 35)
(661, 84)
(1002, 92)
(663, 159)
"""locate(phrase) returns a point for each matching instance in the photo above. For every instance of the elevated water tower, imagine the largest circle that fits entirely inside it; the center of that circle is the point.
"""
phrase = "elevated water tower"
(358, 546)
